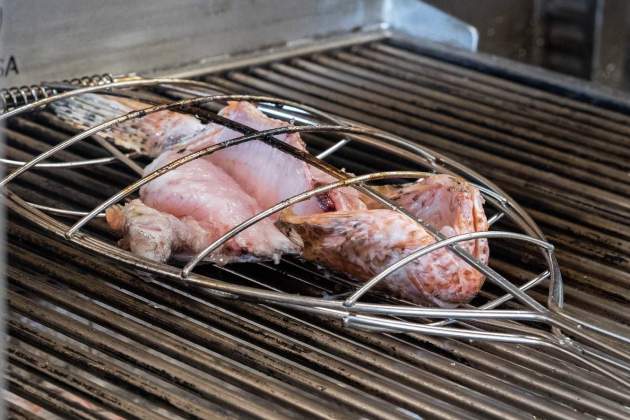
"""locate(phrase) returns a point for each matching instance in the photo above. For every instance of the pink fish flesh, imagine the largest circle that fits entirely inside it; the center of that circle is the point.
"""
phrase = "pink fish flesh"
(183, 211)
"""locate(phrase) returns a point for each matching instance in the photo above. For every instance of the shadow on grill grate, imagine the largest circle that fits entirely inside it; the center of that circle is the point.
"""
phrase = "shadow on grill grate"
(89, 339)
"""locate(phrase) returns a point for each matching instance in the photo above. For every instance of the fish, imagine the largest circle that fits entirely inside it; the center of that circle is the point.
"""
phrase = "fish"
(448, 203)
(149, 135)
(183, 211)
(362, 243)
(267, 173)
(217, 192)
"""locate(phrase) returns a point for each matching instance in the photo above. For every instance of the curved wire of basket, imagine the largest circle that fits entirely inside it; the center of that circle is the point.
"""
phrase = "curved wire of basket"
(373, 316)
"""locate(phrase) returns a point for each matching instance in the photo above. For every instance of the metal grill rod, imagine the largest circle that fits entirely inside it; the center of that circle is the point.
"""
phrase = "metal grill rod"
(457, 312)
(17, 96)
(493, 275)
(204, 282)
(352, 300)
(347, 182)
(70, 90)
(559, 345)
(294, 107)
(75, 164)
(293, 200)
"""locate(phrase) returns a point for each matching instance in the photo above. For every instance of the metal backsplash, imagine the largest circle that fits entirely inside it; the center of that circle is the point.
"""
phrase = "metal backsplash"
(58, 39)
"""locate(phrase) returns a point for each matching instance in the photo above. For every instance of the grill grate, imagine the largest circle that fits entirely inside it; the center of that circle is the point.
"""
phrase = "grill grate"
(181, 352)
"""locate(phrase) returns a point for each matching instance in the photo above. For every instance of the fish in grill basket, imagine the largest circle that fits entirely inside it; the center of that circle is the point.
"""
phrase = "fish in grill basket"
(183, 211)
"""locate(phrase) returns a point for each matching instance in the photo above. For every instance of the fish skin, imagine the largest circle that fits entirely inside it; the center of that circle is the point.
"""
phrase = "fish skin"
(149, 135)
(449, 203)
(152, 234)
(364, 243)
(202, 191)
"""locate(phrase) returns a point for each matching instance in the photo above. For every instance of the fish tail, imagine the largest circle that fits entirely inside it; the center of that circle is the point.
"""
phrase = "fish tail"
(86, 111)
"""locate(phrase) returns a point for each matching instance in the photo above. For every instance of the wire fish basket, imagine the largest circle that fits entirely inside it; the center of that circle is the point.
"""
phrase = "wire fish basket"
(513, 317)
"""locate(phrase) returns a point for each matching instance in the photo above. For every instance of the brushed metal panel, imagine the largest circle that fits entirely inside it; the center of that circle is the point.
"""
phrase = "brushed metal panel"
(57, 39)
(53, 38)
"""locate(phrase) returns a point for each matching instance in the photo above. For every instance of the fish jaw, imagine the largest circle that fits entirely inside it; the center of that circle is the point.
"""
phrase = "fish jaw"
(159, 236)
(363, 243)
(448, 203)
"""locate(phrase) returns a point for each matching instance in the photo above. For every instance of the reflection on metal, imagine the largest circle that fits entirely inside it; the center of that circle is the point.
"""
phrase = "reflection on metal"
(422, 21)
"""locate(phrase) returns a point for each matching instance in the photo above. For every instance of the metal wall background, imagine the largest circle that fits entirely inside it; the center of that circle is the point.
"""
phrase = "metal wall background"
(554, 34)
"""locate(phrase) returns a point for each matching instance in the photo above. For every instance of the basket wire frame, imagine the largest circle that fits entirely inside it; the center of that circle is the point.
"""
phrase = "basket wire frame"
(592, 346)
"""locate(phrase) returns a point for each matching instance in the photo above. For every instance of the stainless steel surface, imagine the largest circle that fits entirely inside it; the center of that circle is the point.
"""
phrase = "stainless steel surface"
(423, 21)
(85, 37)
(331, 370)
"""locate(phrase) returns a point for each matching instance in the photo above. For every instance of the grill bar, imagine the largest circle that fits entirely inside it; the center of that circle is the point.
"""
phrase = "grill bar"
(213, 364)
(207, 389)
(161, 392)
(479, 107)
(458, 114)
(531, 97)
(45, 265)
(294, 364)
(20, 383)
(14, 411)
(177, 349)
(551, 365)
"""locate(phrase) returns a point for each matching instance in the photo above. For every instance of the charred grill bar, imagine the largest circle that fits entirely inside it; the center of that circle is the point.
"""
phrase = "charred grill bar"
(86, 332)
